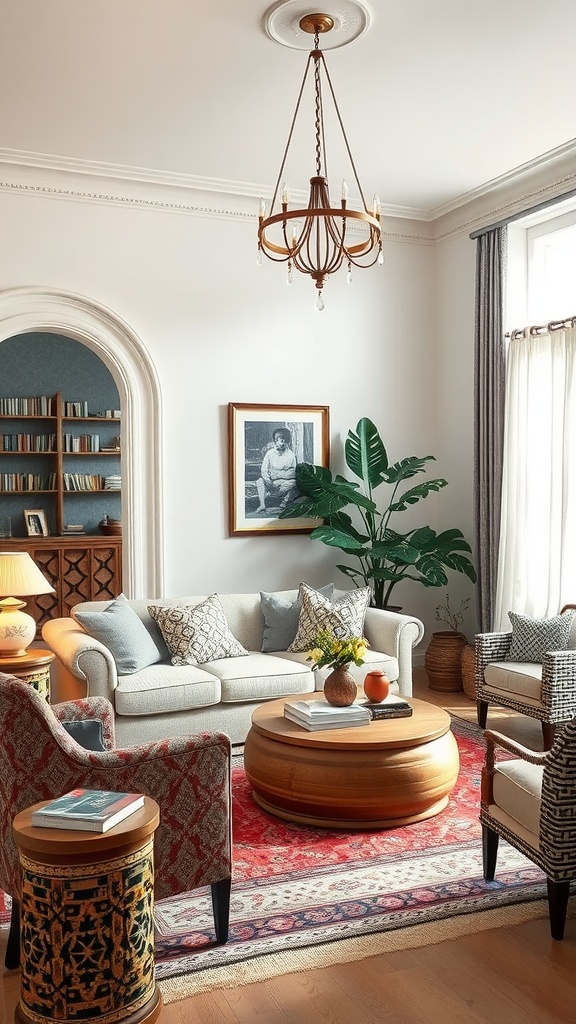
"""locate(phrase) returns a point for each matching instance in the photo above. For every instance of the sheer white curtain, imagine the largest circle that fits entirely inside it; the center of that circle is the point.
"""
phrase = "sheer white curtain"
(537, 555)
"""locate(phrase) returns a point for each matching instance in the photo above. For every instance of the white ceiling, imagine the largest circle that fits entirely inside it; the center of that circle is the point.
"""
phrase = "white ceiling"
(438, 98)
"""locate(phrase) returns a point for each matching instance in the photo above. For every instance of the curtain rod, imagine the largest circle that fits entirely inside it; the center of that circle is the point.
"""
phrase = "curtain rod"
(530, 332)
(524, 213)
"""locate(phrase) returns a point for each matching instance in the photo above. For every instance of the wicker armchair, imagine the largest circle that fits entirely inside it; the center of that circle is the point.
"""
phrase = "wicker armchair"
(531, 802)
(546, 692)
(189, 777)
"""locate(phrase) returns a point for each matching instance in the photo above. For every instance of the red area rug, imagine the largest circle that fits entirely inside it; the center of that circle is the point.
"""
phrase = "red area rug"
(304, 897)
(301, 889)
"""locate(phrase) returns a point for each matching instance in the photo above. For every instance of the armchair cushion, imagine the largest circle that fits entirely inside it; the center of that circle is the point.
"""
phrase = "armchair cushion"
(516, 790)
(87, 733)
(533, 638)
(521, 677)
(121, 630)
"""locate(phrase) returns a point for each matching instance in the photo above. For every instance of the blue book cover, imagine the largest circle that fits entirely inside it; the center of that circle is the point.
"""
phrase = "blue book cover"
(88, 809)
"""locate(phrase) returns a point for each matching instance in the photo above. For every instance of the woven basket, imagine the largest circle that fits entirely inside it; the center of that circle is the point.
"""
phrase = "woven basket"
(442, 661)
(468, 671)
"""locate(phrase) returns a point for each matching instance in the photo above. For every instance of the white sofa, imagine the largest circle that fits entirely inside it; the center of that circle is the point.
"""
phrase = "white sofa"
(164, 700)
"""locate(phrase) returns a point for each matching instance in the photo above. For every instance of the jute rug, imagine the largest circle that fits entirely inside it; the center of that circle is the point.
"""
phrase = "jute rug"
(305, 898)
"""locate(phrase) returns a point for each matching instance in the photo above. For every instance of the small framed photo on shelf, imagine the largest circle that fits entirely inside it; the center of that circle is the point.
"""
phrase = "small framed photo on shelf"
(265, 444)
(36, 524)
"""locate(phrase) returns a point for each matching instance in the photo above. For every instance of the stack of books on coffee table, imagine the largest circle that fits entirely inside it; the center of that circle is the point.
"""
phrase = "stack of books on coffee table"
(319, 714)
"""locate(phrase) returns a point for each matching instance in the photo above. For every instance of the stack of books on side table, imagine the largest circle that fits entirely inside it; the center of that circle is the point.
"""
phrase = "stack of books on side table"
(88, 810)
(319, 714)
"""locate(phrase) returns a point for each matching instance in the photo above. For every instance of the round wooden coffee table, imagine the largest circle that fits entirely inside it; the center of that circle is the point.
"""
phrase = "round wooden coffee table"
(388, 773)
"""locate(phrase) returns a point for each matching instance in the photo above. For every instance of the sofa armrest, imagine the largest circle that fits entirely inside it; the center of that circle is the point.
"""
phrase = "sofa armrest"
(82, 656)
(394, 634)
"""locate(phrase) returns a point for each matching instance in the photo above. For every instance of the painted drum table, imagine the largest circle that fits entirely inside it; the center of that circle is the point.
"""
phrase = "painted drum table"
(87, 928)
(390, 772)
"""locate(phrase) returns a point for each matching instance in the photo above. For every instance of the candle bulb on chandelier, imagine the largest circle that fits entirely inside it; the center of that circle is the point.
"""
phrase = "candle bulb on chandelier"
(376, 207)
(262, 209)
(285, 195)
(344, 192)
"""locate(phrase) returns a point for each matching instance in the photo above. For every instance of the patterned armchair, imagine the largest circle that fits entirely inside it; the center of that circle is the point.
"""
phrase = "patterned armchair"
(531, 802)
(189, 777)
(544, 691)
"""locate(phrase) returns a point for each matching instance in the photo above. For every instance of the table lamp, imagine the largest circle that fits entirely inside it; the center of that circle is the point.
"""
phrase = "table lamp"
(19, 575)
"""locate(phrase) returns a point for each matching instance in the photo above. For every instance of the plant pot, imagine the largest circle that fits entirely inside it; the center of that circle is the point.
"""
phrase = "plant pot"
(340, 687)
(468, 664)
(443, 660)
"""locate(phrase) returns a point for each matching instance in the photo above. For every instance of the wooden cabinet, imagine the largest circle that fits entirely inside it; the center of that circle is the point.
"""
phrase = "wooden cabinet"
(79, 568)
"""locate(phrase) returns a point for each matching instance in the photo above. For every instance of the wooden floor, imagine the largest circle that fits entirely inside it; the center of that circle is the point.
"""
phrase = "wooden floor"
(514, 975)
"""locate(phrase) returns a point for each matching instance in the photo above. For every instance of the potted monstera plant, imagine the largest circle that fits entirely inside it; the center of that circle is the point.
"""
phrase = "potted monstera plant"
(382, 555)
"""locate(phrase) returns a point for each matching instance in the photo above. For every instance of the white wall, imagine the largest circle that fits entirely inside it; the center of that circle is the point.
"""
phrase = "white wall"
(219, 329)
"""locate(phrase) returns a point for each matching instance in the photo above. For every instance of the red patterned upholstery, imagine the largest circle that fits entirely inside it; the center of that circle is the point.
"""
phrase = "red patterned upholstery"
(189, 777)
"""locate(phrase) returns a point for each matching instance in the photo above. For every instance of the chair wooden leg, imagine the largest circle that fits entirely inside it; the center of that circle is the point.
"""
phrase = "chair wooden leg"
(12, 957)
(548, 731)
(489, 852)
(558, 893)
(221, 908)
(482, 712)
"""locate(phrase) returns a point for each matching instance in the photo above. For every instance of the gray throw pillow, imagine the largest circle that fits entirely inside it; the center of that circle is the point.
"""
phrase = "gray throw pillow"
(87, 732)
(281, 611)
(122, 631)
(533, 638)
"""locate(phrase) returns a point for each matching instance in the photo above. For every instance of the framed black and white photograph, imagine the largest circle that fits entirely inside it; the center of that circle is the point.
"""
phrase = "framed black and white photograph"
(36, 524)
(266, 443)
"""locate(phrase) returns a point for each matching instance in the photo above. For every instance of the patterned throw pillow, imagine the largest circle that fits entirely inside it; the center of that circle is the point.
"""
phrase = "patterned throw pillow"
(122, 631)
(281, 613)
(344, 617)
(532, 638)
(198, 633)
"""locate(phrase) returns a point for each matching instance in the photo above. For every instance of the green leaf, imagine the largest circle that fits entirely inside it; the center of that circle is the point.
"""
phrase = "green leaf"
(407, 468)
(415, 494)
(365, 454)
(338, 539)
(323, 495)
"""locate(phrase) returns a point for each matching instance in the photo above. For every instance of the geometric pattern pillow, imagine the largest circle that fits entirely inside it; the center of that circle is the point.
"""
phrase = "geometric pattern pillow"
(533, 638)
(196, 634)
(122, 631)
(281, 613)
(343, 617)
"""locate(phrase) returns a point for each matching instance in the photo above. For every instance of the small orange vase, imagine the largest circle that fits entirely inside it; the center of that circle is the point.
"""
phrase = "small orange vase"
(376, 686)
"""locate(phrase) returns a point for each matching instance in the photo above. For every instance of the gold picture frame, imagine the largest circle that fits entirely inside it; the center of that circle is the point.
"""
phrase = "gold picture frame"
(261, 468)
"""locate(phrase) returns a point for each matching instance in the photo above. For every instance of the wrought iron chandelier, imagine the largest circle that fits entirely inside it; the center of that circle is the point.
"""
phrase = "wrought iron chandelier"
(315, 240)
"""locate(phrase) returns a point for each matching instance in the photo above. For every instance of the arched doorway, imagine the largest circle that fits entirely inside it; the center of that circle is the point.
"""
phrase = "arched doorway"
(25, 310)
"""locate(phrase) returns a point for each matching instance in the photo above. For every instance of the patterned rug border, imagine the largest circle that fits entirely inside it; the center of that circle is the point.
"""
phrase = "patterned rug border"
(342, 951)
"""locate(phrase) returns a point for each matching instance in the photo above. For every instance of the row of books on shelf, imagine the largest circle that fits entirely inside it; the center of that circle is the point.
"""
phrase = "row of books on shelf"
(27, 482)
(88, 810)
(319, 714)
(28, 443)
(88, 443)
(83, 482)
(112, 482)
(41, 406)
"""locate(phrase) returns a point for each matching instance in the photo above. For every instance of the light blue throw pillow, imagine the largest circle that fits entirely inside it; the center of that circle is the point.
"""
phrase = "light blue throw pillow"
(122, 631)
(281, 611)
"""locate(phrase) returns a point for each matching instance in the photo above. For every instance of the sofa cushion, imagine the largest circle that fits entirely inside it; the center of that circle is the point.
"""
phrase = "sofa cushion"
(344, 617)
(533, 638)
(197, 634)
(164, 688)
(281, 611)
(260, 676)
(121, 630)
(373, 660)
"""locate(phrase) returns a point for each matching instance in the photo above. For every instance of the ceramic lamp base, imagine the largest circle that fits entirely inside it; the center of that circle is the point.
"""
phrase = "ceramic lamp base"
(17, 628)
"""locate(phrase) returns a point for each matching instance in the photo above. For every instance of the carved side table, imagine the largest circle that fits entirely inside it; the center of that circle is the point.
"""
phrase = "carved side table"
(87, 928)
(32, 667)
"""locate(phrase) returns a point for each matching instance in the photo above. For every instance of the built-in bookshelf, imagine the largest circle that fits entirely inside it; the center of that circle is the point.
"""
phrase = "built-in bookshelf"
(50, 450)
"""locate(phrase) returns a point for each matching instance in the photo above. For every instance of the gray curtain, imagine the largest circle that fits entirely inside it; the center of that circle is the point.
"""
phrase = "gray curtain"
(489, 393)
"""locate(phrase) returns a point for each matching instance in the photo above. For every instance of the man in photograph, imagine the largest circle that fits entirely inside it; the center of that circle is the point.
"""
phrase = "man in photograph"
(277, 481)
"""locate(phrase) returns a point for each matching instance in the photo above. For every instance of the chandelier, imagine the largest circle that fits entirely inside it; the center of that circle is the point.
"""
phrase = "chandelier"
(315, 240)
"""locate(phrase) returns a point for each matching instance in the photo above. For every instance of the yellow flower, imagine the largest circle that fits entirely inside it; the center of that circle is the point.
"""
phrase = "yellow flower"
(315, 654)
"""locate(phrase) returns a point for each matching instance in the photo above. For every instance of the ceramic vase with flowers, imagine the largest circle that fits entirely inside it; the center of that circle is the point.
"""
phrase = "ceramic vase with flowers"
(340, 688)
